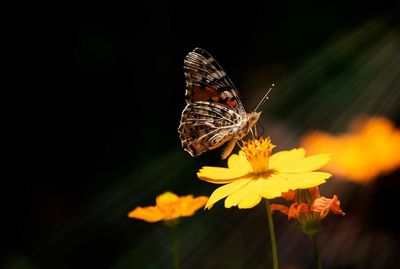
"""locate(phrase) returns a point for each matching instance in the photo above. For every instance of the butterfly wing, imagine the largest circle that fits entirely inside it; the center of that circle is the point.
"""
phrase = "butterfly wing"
(207, 81)
(205, 126)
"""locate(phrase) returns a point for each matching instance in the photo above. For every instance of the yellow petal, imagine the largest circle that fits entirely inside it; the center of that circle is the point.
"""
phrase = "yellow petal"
(239, 162)
(250, 201)
(305, 180)
(149, 214)
(166, 198)
(199, 202)
(219, 175)
(226, 190)
(273, 186)
(300, 165)
(282, 158)
(189, 205)
(252, 197)
(247, 196)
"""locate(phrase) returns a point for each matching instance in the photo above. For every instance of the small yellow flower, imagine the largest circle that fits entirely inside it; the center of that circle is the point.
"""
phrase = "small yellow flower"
(169, 207)
(254, 173)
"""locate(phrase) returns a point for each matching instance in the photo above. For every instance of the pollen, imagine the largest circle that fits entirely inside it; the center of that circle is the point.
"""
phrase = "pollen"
(257, 152)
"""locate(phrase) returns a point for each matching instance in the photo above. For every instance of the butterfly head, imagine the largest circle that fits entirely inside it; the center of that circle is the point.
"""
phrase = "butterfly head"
(253, 117)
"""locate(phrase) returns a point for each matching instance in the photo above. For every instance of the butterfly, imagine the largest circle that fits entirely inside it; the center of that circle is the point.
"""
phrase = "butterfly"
(214, 114)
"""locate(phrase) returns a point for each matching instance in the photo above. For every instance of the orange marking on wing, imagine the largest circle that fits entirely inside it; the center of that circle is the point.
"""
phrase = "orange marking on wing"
(205, 94)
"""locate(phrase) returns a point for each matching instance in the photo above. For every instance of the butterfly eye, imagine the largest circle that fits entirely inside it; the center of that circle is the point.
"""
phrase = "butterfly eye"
(213, 141)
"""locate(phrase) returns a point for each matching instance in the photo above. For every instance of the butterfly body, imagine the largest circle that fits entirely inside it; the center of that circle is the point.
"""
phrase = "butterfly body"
(214, 113)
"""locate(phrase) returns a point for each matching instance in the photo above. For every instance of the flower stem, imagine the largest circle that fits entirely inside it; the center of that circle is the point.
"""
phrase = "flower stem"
(174, 246)
(317, 257)
(272, 236)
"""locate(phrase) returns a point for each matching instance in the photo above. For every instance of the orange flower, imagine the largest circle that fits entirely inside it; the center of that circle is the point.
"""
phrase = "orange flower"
(368, 150)
(296, 209)
(169, 207)
(323, 205)
(309, 208)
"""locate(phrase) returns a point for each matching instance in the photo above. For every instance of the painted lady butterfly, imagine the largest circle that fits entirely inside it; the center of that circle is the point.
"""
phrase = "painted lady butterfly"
(214, 114)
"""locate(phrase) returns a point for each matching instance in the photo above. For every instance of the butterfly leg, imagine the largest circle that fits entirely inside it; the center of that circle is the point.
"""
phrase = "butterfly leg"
(238, 143)
(262, 128)
(252, 133)
(255, 130)
(228, 149)
(255, 136)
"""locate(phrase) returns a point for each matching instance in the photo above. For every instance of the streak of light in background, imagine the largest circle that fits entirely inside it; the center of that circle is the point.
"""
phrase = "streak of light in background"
(353, 74)
(356, 75)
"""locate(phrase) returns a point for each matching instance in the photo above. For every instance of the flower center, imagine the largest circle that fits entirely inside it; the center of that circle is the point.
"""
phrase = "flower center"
(166, 198)
(257, 152)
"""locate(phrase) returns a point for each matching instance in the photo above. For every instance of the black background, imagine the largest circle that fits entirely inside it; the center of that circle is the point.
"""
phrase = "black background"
(96, 92)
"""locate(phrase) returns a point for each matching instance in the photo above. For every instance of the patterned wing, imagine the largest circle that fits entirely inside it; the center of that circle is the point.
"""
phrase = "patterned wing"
(207, 81)
(205, 126)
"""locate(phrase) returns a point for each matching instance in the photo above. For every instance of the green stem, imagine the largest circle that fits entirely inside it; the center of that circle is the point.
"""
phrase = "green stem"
(317, 257)
(174, 246)
(272, 236)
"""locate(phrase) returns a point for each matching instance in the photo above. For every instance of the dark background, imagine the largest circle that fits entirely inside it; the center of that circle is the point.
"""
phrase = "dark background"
(96, 98)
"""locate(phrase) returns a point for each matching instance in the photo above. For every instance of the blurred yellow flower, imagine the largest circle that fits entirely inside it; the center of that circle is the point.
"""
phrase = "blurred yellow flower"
(368, 150)
(254, 173)
(169, 207)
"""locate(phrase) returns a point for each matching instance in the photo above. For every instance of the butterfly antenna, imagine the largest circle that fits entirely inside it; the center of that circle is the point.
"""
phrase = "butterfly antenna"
(252, 133)
(264, 98)
(237, 143)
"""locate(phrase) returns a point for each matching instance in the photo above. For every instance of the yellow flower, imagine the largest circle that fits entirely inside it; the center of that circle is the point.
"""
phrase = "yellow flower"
(169, 207)
(254, 173)
(368, 150)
